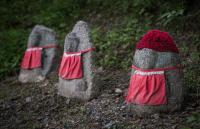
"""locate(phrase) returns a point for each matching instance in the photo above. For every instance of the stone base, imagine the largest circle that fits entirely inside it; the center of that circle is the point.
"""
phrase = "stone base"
(74, 89)
(147, 110)
(31, 76)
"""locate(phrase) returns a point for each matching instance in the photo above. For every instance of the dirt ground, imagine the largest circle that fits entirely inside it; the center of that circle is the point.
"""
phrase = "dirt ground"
(38, 106)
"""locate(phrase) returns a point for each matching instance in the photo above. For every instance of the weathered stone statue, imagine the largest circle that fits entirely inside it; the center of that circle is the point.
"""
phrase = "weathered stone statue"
(40, 57)
(76, 72)
(156, 83)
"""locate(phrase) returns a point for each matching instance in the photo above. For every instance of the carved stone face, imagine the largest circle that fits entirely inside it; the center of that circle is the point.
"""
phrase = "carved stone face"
(148, 59)
(71, 43)
(41, 36)
(34, 39)
(145, 58)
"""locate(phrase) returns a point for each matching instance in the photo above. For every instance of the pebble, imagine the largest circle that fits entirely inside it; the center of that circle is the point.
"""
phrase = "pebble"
(28, 99)
(67, 101)
(109, 125)
(156, 116)
(118, 91)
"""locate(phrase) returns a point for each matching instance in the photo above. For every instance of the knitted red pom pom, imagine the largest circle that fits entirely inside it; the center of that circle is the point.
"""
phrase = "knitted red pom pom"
(158, 41)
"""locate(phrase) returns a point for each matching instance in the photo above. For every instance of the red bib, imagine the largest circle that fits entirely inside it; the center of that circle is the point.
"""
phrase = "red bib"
(71, 65)
(33, 57)
(148, 87)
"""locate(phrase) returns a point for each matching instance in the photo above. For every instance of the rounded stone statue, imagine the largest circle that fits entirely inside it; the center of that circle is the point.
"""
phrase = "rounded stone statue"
(76, 72)
(156, 83)
(41, 56)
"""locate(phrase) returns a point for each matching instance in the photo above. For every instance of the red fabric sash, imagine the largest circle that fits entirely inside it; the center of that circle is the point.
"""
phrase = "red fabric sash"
(33, 56)
(82, 51)
(71, 65)
(50, 46)
(148, 86)
(157, 69)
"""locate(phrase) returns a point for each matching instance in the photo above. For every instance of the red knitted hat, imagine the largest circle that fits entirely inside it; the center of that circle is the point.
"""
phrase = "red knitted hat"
(158, 41)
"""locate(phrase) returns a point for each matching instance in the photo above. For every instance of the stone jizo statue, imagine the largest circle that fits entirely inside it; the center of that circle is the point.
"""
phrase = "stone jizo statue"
(77, 71)
(156, 83)
(40, 57)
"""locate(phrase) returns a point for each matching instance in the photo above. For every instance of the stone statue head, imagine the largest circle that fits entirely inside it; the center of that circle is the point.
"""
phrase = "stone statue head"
(71, 43)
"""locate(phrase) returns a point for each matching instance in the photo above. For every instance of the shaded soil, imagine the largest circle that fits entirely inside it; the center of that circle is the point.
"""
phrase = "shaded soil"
(38, 106)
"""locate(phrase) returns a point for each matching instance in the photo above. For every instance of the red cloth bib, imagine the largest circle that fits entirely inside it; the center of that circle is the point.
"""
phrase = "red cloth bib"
(148, 87)
(71, 65)
(33, 57)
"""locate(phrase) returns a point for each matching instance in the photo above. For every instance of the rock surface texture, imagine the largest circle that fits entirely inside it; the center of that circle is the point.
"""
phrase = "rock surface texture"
(41, 36)
(81, 88)
(147, 58)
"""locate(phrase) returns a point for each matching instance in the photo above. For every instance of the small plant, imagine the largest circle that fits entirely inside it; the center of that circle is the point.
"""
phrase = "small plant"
(115, 47)
(168, 17)
(193, 121)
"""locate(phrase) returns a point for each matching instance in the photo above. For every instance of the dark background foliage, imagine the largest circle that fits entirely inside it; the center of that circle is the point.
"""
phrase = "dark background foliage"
(117, 25)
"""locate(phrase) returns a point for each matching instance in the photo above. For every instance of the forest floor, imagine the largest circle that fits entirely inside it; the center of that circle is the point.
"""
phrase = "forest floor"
(38, 106)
